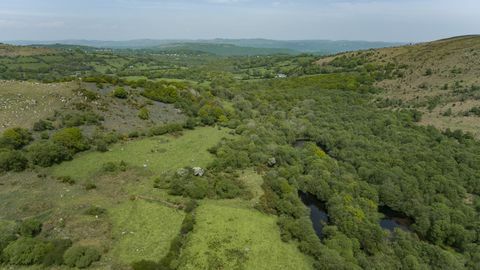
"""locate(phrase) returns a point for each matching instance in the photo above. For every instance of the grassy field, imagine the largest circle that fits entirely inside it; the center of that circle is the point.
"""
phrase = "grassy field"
(230, 236)
(130, 230)
(157, 154)
(143, 230)
(23, 103)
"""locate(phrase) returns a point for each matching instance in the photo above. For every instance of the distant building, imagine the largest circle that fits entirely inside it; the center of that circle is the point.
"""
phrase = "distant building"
(281, 76)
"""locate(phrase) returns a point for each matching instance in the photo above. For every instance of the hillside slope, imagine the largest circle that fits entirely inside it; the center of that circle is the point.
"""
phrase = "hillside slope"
(441, 79)
(12, 51)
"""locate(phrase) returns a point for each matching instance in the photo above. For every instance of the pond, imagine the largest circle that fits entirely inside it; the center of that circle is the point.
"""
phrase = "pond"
(318, 212)
(394, 219)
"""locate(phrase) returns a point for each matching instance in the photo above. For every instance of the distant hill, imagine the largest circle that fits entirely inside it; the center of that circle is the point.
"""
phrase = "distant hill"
(222, 49)
(292, 46)
(309, 46)
(441, 79)
(10, 51)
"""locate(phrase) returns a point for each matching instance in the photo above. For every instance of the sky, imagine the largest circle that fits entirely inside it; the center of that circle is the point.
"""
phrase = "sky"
(373, 20)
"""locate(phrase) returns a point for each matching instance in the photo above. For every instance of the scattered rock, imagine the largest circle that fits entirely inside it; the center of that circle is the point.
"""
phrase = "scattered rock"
(271, 162)
(197, 171)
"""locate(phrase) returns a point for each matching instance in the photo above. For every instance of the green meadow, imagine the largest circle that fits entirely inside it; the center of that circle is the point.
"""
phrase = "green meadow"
(157, 154)
(230, 236)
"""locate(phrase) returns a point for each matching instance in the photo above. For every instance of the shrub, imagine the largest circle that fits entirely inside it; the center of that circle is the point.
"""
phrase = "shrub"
(7, 235)
(81, 256)
(190, 206)
(161, 92)
(101, 145)
(47, 153)
(89, 185)
(26, 251)
(133, 134)
(72, 139)
(30, 228)
(190, 123)
(15, 138)
(95, 211)
(42, 125)
(109, 167)
(66, 180)
(144, 114)
(164, 129)
(146, 265)
(12, 160)
(91, 96)
(120, 92)
(55, 255)
(79, 119)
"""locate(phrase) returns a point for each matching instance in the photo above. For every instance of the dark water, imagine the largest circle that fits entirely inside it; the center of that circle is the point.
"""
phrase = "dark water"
(394, 219)
(318, 212)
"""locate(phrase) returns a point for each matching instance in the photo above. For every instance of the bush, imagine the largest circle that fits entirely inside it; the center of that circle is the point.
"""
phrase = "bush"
(162, 92)
(89, 185)
(95, 211)
(26, 251)
(81, 256)
(12, 160)
(144, 114)
(42, 125)
(55, 255)
(91, 96)
(120, 92)
(7, 235)
(101, 146)
(147, 265)
(164, 129)
(66, 180)
(109, 167)
(72, 139)
(190, 206)
(15, 138)
(47, 153)
(79, 119)
(30, 228)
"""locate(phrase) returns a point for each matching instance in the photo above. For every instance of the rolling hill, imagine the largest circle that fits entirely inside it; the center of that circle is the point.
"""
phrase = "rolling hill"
(268, 45)
(441, 79)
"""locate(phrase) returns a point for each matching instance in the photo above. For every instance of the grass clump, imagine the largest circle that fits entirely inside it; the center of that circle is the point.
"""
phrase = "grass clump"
(120, 92)
(144, 114)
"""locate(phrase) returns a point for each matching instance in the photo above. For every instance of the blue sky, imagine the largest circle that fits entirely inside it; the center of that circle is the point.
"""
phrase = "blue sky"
(376, 20)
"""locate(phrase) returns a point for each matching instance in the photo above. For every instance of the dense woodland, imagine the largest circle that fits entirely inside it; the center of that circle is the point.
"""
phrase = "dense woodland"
(358, 157)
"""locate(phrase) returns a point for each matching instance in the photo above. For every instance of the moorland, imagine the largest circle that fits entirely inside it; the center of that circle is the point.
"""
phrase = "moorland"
(194, 159)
